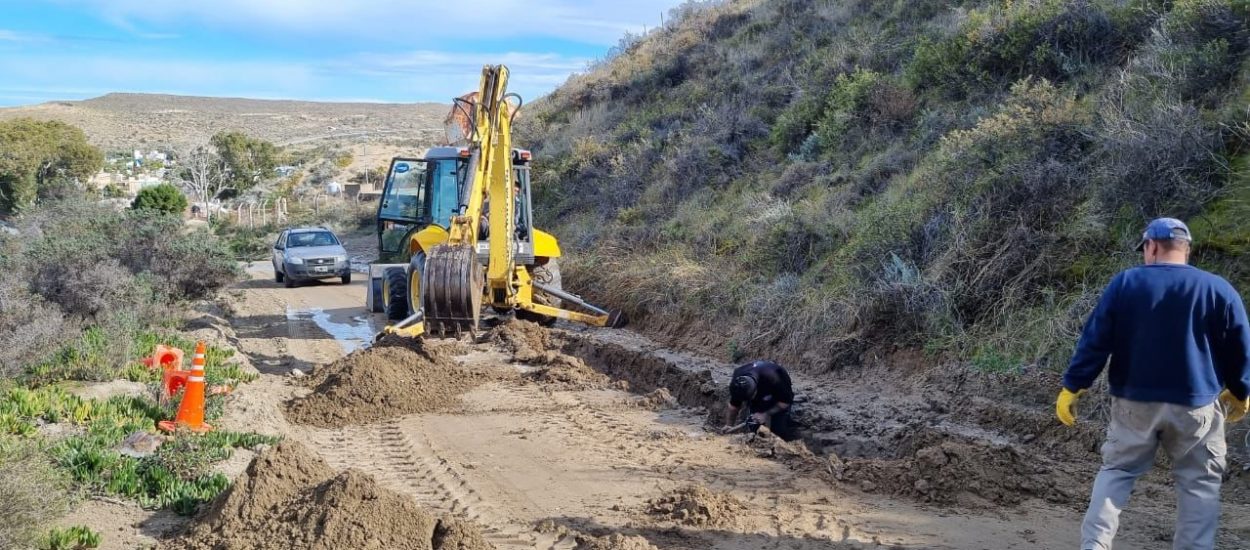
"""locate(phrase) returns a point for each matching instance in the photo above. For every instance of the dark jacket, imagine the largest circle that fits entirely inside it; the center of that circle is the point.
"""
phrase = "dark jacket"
(1174, 333)
(772, 385)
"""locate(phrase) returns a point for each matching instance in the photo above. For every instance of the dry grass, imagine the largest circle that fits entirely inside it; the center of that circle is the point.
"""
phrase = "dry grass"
(121, 122)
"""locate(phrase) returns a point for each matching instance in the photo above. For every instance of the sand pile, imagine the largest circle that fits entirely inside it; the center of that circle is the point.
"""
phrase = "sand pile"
(697, 506)
(945, 469)
(657, 400)
(382, 382)
(566, 372)
(290, 499)
(615, 541)
(527, 342)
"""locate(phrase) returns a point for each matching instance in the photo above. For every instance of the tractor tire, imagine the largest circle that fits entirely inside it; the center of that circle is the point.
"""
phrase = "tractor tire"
(549, 275)
(416, 270)
(376, 303)
(395, 293)
(277, 276)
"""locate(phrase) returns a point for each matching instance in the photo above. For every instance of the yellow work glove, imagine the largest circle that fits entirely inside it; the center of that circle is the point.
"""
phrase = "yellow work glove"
(1065, 406)
(1234, 408)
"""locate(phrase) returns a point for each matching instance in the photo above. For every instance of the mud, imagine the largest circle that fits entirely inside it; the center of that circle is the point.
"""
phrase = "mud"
(942, 468)
(566, 372)
(290, 499)
(657, 400)
(697, 506)
(527, 342)
(385, 381)
(689, 385)
(614, 541)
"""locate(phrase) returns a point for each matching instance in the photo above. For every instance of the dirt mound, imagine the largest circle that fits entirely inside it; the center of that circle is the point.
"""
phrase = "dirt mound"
(382, 382)
(657, 400)
(946, 469)
(697, 506)
(290, 499)
(793, 454)
(615, 541)
(526, 341)
(567, 372)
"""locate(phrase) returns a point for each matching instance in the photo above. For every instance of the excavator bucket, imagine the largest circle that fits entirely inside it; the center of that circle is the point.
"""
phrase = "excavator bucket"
(453, 282)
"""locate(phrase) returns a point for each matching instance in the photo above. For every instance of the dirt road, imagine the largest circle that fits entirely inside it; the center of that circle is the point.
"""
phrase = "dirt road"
(532, 462)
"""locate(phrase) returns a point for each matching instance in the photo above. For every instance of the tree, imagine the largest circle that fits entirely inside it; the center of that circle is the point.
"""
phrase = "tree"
(162, 198)
(35, 154)
(204, 173)
(246, 159)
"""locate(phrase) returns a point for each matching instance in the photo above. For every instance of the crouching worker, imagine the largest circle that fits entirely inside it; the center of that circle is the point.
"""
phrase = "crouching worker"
(764, 388)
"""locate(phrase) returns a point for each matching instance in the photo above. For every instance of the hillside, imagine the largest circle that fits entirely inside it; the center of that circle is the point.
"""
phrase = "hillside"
(124, 121)
(822, 181)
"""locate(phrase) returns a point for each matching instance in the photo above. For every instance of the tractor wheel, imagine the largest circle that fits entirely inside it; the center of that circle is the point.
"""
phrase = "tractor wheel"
(416, 269)
(395, 293)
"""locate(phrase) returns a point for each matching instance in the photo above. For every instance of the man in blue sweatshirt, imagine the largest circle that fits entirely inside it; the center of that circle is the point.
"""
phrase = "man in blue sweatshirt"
(1179, 345)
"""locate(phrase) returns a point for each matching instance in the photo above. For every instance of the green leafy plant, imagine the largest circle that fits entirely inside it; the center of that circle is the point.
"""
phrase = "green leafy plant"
(163, 198)
(72, 538)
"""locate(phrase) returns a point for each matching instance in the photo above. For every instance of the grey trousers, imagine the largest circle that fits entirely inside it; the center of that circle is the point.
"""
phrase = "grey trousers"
(1193, 438)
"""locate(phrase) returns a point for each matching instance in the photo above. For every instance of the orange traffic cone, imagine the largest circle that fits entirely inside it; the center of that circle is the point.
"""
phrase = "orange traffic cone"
(191, 411)
(165, 357)
(171, 382)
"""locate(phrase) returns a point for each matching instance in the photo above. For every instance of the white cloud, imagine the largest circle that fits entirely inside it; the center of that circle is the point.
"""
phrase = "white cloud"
(399, 21)
(424, 75)
(7, 35)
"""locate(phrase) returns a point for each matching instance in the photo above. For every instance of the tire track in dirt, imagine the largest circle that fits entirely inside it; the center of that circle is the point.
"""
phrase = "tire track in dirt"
(411, 467)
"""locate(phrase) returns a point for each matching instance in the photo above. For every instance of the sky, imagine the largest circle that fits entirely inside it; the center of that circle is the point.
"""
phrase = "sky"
(332, 50)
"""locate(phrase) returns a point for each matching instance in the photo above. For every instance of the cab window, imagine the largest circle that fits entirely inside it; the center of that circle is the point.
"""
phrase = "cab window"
(404, 198)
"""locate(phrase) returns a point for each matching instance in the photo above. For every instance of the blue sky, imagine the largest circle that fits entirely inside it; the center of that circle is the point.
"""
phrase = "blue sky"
(348, 50)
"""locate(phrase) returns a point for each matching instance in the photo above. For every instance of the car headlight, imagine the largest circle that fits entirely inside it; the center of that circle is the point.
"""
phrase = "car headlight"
(340, 259)
(295, 260)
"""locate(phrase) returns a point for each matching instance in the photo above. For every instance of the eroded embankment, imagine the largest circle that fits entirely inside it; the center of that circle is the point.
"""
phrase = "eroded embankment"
(895, 454)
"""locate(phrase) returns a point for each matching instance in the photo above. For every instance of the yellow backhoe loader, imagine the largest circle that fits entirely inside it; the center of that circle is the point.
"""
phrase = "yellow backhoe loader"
(461, 217)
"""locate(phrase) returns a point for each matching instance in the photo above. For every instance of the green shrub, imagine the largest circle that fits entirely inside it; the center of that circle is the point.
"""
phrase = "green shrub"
(163, 198)
(175, 477)
(1002, 43)
(73, 538)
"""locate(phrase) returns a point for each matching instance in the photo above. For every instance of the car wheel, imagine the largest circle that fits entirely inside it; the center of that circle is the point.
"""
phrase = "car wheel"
(277, 276)
(347, 279)
(288, 281)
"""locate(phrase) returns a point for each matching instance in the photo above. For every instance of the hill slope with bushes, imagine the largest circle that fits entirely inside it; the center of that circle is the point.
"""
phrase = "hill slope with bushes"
(818, 179)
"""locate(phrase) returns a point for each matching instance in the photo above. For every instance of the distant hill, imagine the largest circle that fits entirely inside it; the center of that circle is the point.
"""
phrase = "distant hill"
(123, 121)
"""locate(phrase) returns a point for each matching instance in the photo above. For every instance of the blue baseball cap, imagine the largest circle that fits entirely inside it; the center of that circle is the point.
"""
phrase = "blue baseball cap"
(1164, 229)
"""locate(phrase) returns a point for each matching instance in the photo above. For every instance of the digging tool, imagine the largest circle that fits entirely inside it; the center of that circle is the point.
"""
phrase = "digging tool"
(750, 426)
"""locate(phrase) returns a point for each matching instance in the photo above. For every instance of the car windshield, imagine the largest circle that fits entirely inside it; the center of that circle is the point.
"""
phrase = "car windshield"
(312, 238)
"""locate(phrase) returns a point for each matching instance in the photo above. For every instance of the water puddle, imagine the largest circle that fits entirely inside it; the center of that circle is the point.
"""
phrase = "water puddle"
(352, 333)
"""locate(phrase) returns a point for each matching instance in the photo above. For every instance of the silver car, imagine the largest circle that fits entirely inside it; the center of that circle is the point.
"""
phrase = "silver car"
(305, 253)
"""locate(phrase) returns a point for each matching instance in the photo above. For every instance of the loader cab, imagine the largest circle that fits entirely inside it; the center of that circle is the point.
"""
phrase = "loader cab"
(420, 192)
